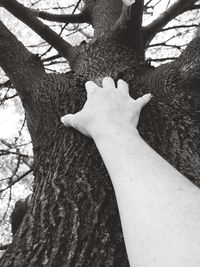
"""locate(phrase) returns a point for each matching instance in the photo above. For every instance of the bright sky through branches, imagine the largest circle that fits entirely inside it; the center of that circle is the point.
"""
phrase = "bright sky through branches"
(9, 121)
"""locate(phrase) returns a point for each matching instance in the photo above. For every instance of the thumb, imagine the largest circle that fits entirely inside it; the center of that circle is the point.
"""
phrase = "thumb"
(68, 119)
(142, 101)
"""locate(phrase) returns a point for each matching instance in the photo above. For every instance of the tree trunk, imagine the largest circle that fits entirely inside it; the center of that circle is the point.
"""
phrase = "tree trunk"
(73, 220)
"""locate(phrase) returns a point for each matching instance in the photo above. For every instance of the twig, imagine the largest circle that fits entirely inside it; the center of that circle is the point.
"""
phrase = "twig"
(17, 180)
(5, 152)
(8, 205)
(69, 18)
(20, 131)
(162, 59)
(5, 98)
(51, 58)
(6, 84)
(179, 27)
(49, 49)
(174, 10)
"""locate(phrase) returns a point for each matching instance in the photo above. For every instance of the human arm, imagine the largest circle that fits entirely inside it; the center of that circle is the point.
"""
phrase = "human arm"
(158, 206)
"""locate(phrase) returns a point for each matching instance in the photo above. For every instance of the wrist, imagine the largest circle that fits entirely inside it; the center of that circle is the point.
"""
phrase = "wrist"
(113, 132)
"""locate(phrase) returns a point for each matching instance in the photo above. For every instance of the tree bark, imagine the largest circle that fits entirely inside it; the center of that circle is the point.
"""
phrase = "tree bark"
(73, 219)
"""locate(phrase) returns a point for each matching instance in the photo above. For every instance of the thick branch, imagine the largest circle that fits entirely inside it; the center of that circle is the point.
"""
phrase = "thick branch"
(173, 11)
(193, 7)
(18, 62)
(83, 17)
(129, 25)
(28, 17)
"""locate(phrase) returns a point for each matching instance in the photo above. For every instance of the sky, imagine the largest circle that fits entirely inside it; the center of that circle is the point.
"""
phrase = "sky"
(9, 121)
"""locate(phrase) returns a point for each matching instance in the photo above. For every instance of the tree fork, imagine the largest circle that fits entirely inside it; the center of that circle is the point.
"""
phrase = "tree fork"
(27, 16)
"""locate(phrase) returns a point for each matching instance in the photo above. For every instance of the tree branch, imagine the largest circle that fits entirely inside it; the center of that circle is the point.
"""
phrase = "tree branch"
(83, 17)
(6, 84)
(193, 7)
(4, 247)
(6, 97)
(179, 27)
(18, 62)
(4, 152)
(129, 25)
(16, 181)
(27, 16)
(173, 11)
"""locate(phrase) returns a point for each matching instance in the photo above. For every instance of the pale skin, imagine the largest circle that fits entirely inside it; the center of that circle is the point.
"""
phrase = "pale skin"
(159, 207)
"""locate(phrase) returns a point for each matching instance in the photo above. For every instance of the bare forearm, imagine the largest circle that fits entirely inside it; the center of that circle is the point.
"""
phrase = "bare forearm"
(159, 207)
(128, 156)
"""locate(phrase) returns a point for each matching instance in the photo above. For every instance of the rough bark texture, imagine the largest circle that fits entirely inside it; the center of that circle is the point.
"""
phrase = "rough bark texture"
(73, 220)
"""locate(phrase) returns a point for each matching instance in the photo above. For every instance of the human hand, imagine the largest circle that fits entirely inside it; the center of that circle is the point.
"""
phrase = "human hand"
(107, 109)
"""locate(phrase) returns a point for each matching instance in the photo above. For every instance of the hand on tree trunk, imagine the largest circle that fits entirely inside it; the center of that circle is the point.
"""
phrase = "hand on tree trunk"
(158, 206)
(107, 108)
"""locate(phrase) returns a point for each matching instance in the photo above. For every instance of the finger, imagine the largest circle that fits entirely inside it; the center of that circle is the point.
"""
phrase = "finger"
(108, 83)
(123, 87)
(90, 87)
(67, 120)
(144, 100)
